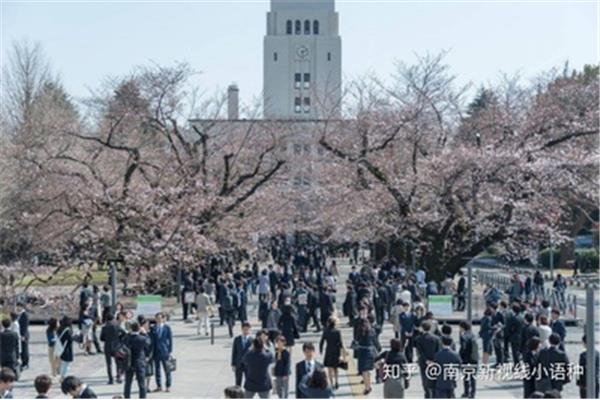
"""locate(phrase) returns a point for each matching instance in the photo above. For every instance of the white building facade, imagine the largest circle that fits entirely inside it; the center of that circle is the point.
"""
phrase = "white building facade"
(302, 60)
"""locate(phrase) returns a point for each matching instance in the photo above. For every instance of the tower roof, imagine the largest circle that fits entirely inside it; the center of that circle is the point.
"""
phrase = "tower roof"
(288, 5)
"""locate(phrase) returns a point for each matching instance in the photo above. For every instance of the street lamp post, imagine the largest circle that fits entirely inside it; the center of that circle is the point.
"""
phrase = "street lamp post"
(551, 258)
(469, 292)
(113, 285)
(590, 325)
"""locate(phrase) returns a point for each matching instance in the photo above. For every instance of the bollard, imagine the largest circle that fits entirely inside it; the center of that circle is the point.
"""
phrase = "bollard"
(575, 307)
(212, 333)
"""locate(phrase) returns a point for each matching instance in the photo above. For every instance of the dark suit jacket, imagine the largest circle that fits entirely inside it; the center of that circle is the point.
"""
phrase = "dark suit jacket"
(558, 327)
(111, 336)
(66, 339)
(87, 394)
(9, 347)
(163, 342)
(549, 358)
(528, 332)
(238, 350)
(513, 328)
(427, 346)
(23, 321)
(581, 382)
(461, 285)
(139, 345)
(257, 370)
(300, 373)
(446, 358)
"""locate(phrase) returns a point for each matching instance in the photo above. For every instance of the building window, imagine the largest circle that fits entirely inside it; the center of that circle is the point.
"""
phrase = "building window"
(307, 104)
(297, 80)
(297, 149)
(307, 27)
(288, 27)
(315, 27)
(298, 27)
(329, 56)
(275, 56)
(306, 80)
(297, 104)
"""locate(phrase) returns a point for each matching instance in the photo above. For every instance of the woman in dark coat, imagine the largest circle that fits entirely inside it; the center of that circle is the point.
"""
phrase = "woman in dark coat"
(333, 352)
(288, 327)
(65, 335)
(397, 377)
(367, 346)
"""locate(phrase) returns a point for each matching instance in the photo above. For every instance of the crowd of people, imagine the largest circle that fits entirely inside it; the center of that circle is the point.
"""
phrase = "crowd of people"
(296, 294)
(138, 348)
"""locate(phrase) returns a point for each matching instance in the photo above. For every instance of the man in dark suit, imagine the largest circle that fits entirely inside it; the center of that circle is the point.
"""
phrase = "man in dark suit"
(558, 327)
(9, 347)
(111, 335)
(23, 321)
(77, 389)
(582, 380)
(427, 345)
(325, 304)
(241, 345)
(139, 345)
(514, 328)
(460, 292)
(529, 331)
(553, 359)
(448, 360)
(163, 348)
(306, 366)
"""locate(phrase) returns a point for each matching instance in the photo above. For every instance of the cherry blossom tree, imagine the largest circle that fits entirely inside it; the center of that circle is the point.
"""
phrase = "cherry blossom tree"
(453, 183)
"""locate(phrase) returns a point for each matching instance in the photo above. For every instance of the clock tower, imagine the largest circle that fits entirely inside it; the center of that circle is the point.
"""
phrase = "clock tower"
(302, 60)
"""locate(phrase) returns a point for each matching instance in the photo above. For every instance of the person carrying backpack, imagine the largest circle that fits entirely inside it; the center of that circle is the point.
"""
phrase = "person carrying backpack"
(469, 354)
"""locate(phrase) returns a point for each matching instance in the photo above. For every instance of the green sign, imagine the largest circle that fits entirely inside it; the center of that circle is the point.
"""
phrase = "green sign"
(148, 305)
(440, 305)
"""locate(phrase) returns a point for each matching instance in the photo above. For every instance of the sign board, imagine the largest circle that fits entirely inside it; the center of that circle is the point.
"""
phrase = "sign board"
(440, 305)
(148, 305)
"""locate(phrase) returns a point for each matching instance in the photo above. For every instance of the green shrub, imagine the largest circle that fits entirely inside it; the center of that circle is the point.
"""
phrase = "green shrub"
(587, 259)
(544, 258)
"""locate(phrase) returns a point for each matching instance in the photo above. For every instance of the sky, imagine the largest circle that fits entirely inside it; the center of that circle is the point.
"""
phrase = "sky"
(87, 41)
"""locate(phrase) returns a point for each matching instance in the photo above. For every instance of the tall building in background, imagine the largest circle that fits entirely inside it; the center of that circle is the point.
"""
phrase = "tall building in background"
(302, 60)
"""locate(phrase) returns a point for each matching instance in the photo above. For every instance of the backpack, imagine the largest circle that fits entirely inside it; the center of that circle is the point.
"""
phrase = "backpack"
(122, 355)
(227, 302)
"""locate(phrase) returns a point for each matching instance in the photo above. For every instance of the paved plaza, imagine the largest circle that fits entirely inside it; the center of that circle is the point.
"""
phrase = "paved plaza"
(204, 369)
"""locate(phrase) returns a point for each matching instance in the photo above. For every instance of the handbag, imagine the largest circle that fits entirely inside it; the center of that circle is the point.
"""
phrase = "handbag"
(342, 363)
(149, 369)
(172, 364)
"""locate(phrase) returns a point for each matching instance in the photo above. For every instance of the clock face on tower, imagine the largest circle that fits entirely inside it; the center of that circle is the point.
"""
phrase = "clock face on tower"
(302, 51)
